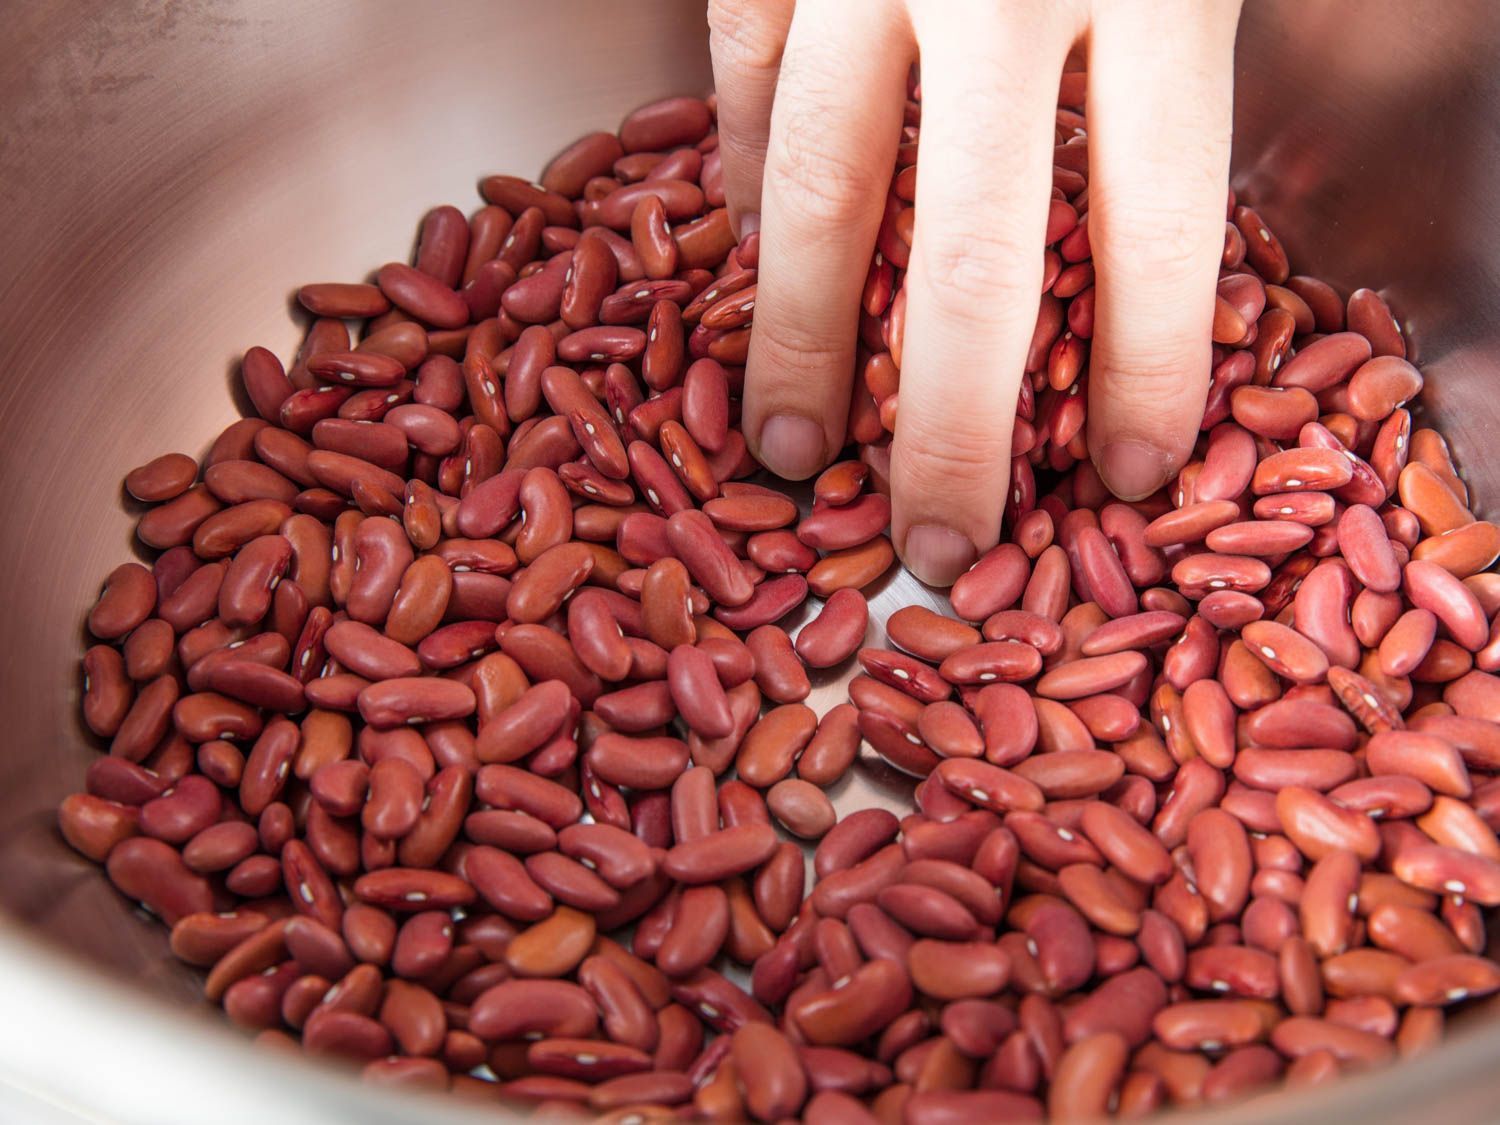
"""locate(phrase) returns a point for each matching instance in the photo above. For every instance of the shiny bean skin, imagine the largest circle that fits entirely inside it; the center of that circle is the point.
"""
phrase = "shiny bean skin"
(128, 598)
(151, 872)
(837, 631)
(801, 808)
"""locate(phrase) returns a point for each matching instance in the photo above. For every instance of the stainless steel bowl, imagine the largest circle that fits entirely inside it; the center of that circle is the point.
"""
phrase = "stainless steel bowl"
(173, 170)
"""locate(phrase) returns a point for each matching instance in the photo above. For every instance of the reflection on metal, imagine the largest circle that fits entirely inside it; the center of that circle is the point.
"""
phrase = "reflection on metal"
(171, 172)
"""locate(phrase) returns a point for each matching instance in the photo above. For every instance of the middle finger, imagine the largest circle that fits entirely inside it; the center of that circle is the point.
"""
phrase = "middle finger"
(984, 176)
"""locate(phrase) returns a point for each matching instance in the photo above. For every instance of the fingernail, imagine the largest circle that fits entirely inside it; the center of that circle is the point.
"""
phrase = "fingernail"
(938, 555)
(1133, 470)
(791, 446)
(747, 225)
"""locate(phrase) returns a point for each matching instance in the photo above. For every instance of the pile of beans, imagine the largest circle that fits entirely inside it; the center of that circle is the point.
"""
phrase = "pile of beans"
(452, 730)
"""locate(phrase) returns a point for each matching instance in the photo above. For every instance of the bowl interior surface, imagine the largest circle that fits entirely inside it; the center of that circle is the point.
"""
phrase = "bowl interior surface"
(173, 172)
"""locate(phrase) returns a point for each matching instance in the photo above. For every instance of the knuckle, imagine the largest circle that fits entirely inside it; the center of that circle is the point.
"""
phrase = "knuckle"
(818, 184)
(821, 181)
(979, 261)
(1159, 370)
(951, 457)
(1162, 380)
(1165, 243)
(744, 151)
(819, 190)
(741, 35)
(1162, 245)
(979, 229)
(795, 360)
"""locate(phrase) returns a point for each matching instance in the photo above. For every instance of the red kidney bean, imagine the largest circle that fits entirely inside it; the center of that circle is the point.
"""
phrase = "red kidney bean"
(93, 825)
(429, 299)
(395, 799)
(708, 559)
(696, 692)
(992, 584)
(181, 812)
(516, 1008)
(835, 528)
(837, 631)
(1428, 758)
(801, 808)
(343, 300)
(770, 1070)
(730, 851)
(410, 701)
(365, 651)
(832, 748)
(107, 690)
(162, 478)
(770, 745)
(128, 598)
(876, 992)
(116, 779)
(999, 661)
(665, 124)
(154, 874)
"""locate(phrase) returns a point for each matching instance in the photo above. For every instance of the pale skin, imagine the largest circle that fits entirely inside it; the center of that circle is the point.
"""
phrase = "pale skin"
(810, 109)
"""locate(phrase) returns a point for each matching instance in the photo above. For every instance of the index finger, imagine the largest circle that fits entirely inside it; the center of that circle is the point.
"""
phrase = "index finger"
(834, 132)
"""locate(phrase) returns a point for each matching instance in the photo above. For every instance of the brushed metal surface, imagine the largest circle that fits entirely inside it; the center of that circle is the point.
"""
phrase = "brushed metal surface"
(173, 170)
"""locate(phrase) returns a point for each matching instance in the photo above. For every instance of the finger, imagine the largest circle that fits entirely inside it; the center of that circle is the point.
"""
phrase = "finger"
(983, 187)
(1159, 96)
(834, 133)
(745, 38)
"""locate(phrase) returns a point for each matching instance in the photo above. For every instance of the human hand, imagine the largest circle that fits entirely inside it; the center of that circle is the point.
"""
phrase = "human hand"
(813, 175)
